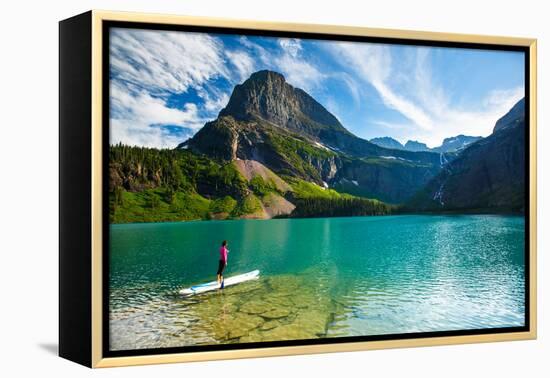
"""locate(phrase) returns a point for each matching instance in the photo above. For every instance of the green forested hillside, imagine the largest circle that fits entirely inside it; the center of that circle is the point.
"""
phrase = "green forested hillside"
(148, 185)
(152, 185)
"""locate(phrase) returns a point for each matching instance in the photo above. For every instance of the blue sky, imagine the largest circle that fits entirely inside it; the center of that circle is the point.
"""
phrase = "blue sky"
(165, 85)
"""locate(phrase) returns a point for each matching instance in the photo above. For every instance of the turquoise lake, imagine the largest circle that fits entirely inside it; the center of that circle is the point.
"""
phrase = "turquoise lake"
(320, 277)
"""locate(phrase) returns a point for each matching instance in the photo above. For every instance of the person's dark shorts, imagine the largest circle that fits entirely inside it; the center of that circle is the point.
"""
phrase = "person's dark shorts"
(221, 266)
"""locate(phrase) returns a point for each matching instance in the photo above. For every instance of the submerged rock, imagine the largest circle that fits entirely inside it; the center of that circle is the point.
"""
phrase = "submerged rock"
(291, 331)
(244, 288)
(276, 313)
(237, 326)
(279, 301)
(256, 307)
(270, 324)
(285, 284)
(313, 322)
(252, 337)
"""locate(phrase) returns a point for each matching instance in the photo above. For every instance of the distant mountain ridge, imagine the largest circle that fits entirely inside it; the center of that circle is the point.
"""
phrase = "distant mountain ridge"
(456, 143)
(451, 144)
(415, 146)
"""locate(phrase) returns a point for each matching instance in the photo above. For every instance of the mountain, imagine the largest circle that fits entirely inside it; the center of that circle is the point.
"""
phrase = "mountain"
(413, 145)
(267, 96)
(488, 175)
(515, 116)
(449, 145)
(456, 143)
(267, 99)
(269, 121)
(387, 142)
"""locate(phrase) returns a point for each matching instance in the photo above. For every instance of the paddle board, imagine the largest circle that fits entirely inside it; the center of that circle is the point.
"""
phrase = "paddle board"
(210, 286)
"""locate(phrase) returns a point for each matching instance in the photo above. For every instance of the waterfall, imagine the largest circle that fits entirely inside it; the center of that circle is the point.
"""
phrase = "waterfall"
(438, 196)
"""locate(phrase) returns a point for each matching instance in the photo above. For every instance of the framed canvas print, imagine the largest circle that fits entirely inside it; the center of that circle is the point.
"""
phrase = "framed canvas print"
(235, 189)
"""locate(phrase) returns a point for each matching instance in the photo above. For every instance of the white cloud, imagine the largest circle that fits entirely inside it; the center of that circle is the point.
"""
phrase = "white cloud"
(298, 72)
(292, 46)
(419, 98)
(260, 53)
(125, 131)
(352, 86)
(137, 115)
(373, 64)
(243, 63)
(287, 59)
(296, 69)
(404, 106)
(504, 97)
(146, 68)
(165, 60)
(214, 105)
(452, 122)
(152, 110)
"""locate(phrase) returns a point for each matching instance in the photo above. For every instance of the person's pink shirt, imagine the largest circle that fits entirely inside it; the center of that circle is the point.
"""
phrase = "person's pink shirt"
(223, 253)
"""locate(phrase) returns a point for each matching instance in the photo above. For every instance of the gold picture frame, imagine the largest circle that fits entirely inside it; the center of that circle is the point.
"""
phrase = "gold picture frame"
(82, 318)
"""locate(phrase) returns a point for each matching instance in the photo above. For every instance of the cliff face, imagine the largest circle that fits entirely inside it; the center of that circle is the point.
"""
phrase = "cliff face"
(489, 174)
(266, 95)
(513, 118)
(387, 179)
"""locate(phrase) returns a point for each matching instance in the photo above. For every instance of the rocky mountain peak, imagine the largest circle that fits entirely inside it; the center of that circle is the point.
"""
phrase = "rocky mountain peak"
(267, 95)
(267, 76)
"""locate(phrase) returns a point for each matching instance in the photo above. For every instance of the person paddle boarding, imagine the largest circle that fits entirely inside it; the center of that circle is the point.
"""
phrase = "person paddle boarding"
(222, 263)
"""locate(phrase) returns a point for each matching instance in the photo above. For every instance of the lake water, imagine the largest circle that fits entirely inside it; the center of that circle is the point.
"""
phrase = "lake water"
(322, 277)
